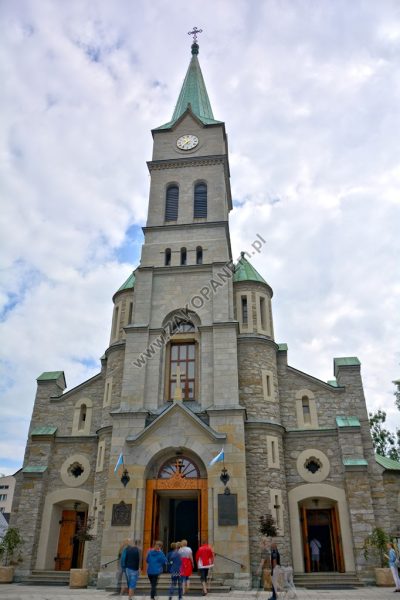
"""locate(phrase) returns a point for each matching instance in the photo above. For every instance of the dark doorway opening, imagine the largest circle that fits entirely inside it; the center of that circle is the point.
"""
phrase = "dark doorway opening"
(177, 519)
(322, 525)
(183, 516)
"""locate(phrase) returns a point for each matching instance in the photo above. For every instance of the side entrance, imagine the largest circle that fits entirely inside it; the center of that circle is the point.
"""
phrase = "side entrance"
(321, 539)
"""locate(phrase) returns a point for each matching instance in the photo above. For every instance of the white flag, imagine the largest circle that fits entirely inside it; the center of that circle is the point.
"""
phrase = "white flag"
(120, 462)
(220, 456)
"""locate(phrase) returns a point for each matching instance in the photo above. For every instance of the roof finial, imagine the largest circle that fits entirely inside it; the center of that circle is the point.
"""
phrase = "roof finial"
(195, 46)
(194, 33)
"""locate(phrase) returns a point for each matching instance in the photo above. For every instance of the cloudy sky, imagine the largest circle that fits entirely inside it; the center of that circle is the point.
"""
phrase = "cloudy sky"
(310, 94)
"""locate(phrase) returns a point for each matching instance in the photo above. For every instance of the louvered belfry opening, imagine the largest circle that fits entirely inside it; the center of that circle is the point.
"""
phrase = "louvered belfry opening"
(171, 203)
(200, 201)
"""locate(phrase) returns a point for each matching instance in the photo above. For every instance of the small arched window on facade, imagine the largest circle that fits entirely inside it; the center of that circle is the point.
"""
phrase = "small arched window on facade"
(183, 256)
(82, 417)
(200, 200)
(305, 403)
(199, 255)
(171, 203)
(167, 257)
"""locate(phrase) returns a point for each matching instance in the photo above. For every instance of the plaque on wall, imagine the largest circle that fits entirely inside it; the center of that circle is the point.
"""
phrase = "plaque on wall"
(121, 514)
(227, 509)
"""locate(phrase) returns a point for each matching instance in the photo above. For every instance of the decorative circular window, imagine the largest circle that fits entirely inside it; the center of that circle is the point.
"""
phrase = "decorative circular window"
(313, 465)
(178, 467)
(75, 470)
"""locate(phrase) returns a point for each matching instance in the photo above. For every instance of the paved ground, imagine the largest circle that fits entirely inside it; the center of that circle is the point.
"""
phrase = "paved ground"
(26, 592)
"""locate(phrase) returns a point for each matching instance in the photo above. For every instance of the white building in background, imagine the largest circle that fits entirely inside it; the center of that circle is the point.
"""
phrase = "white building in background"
(7, 485)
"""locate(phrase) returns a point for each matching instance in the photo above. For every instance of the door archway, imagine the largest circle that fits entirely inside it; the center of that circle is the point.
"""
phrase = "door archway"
(176, 504)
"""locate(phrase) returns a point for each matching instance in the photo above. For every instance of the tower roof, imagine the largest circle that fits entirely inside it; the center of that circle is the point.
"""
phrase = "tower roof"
(193, 95)
(244, 271)
(129, 283)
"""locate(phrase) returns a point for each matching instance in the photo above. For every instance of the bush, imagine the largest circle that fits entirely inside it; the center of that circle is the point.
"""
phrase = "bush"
(267, 525)
(9, 545)
(376, 545)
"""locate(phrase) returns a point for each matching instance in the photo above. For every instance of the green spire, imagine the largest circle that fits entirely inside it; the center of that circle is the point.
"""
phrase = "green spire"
(193, 95)
(244, 271)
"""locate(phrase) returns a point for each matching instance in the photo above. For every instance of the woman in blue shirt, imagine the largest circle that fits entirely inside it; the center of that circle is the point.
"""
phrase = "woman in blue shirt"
(156, 560)
(392, 556)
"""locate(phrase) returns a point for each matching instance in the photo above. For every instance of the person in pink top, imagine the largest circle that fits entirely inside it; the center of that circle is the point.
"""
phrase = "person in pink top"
(205, 561)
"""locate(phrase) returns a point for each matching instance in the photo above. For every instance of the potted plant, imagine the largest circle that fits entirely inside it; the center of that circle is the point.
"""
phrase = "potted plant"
(79, 578)
(375, 547)
(267, 528)
(8, 548)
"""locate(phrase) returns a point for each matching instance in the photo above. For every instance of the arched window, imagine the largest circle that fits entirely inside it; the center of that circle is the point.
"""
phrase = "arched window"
(82, 417)
(199, 255)
(167, 258)
(183, 256)
(183, 327)
(171, 203)
(179, 467)
(305, 403)
(200, 200)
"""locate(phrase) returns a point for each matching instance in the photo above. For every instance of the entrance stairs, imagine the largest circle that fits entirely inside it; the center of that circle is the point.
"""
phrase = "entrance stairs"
(39, 577)
(327, 581)
(143, 585)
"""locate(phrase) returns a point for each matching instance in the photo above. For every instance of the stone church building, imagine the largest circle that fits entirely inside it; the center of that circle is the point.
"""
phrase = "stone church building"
(193, 367)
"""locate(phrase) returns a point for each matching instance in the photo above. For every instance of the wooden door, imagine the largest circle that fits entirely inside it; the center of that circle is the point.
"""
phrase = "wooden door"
(337, 540)
(151, 517)
(63, 560)
(306, 548)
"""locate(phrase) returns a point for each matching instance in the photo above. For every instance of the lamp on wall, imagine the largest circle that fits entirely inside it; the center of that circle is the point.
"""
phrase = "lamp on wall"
(225, 477)
(125, 479)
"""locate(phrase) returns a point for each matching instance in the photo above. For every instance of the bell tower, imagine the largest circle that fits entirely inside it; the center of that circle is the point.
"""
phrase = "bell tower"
(186, 246)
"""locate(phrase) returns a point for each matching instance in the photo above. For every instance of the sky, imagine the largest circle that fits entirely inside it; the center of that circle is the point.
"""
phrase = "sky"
(310, 94)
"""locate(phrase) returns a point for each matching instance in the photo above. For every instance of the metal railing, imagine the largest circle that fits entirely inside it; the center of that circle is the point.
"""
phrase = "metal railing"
(230, 559)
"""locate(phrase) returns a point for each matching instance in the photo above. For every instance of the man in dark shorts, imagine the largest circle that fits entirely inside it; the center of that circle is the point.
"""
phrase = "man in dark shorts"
(130, 563)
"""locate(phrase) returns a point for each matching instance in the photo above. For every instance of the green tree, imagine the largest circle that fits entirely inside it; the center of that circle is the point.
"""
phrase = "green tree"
(386, 442)
(267, 525)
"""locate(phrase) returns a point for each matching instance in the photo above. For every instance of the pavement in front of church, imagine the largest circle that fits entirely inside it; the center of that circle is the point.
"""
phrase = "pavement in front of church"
(29, 592)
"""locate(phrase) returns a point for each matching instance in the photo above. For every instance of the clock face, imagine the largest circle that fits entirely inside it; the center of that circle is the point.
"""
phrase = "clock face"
(187, 142)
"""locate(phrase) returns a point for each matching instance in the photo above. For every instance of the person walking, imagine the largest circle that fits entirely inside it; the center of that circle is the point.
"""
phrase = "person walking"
(392, 556)
(205, 561)
(315, 547)
(130, 563)
(275, 561)
(156, 560)
(174, 562)
(186, 555)
(121, 575)
(264, 569)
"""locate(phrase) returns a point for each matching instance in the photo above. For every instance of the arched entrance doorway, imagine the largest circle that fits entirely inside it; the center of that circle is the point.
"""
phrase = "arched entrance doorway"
(176, 504)
(71, 538)
(322, 543)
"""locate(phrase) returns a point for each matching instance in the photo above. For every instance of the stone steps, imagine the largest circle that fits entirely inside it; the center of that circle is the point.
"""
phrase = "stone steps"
(327, 580)
(39, 577)
(164, 581)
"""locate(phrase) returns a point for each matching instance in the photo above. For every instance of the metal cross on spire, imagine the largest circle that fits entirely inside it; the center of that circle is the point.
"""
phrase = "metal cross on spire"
(194, 33)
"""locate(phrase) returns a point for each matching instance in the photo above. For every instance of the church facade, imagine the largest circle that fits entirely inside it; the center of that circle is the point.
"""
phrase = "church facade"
(192, 368)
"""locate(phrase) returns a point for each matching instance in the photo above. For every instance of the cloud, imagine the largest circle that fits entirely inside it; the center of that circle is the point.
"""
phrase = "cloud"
(310, 99)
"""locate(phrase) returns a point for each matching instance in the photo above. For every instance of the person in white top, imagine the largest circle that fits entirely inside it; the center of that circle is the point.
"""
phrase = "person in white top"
(315, 547)
(186, 555)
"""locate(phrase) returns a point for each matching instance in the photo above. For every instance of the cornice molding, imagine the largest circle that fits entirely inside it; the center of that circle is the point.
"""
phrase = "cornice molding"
(188, 161)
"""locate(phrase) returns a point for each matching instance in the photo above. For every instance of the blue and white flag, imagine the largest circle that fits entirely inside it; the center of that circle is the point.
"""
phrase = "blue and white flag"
(220, 456)
(120, 462)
